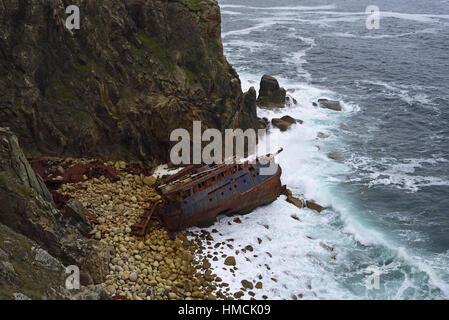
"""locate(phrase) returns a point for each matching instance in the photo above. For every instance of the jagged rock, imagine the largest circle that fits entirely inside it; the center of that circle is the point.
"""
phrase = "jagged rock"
(20, 296)
(94, 266)
(301, 204)
(46, 260)
(20, 273)
(291, 100)
(264, 123)
(27, 208)
(112, 87)
(75, 209)
(314, 206)
(78, 218)
(271, 95)
(92, 293)
(3, 255)
(293, 200)
(329, 104)
(7, 271)
(285, 122)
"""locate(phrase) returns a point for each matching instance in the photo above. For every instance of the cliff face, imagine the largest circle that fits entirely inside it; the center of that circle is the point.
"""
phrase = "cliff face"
(117, 87)
(29, 218)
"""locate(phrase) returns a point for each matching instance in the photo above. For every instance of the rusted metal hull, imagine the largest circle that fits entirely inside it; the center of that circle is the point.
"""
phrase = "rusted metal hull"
(243, 200)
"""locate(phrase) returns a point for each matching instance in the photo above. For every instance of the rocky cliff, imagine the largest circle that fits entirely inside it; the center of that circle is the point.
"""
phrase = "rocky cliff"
(117, 87)
(35, 243)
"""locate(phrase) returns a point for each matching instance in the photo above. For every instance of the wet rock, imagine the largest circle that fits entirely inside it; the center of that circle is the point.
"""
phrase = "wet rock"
(259, 285)
(46, 260)
(329, 104)
(271, 95)
(230, 261)
(321, 135)
(291, 100)
(314, 206)
(247, 284)
(284, 123)
(334, 156)
(293, 200)
(264, 123)
(327, 247)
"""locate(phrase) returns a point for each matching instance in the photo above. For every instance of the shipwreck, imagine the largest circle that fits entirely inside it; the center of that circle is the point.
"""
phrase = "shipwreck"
(197, 194)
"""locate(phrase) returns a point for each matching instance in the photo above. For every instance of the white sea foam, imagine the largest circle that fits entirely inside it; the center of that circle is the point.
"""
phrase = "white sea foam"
(232, 13)
(396, 173)
(281, 8)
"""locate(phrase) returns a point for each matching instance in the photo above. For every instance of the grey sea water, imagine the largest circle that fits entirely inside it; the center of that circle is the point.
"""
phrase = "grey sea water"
(388, 197)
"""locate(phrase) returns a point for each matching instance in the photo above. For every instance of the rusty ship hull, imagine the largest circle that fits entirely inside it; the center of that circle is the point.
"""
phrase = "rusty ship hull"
(196, 195)
(241, 192)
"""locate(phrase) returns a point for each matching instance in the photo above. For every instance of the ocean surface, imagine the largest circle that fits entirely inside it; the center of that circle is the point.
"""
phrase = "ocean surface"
(387, 199)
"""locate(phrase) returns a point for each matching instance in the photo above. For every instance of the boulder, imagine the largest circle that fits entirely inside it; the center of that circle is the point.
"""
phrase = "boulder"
(75, 209)
(284, 123)
(230, 261)
(329, 104)
(271, 95)
(314, 206)
(264, 123)
(293, 200)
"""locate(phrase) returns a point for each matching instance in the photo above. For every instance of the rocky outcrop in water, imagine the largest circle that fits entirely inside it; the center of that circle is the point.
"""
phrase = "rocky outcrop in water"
(285, 122)
(271, 95)
(117, 87)
(329, 104)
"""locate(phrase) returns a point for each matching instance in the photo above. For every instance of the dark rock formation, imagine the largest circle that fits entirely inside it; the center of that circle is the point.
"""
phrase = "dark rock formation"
(117, 87)
(264, 123)
(28, 209)
(329, 104)
(271, 95)
(285, 122)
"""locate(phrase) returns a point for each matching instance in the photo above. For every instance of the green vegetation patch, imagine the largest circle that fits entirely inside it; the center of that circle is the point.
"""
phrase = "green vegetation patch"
(82, 116)
(156, 48)
(195, 5)
(62, 91)
(8, 182)
(191, 77)
(87, 67)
